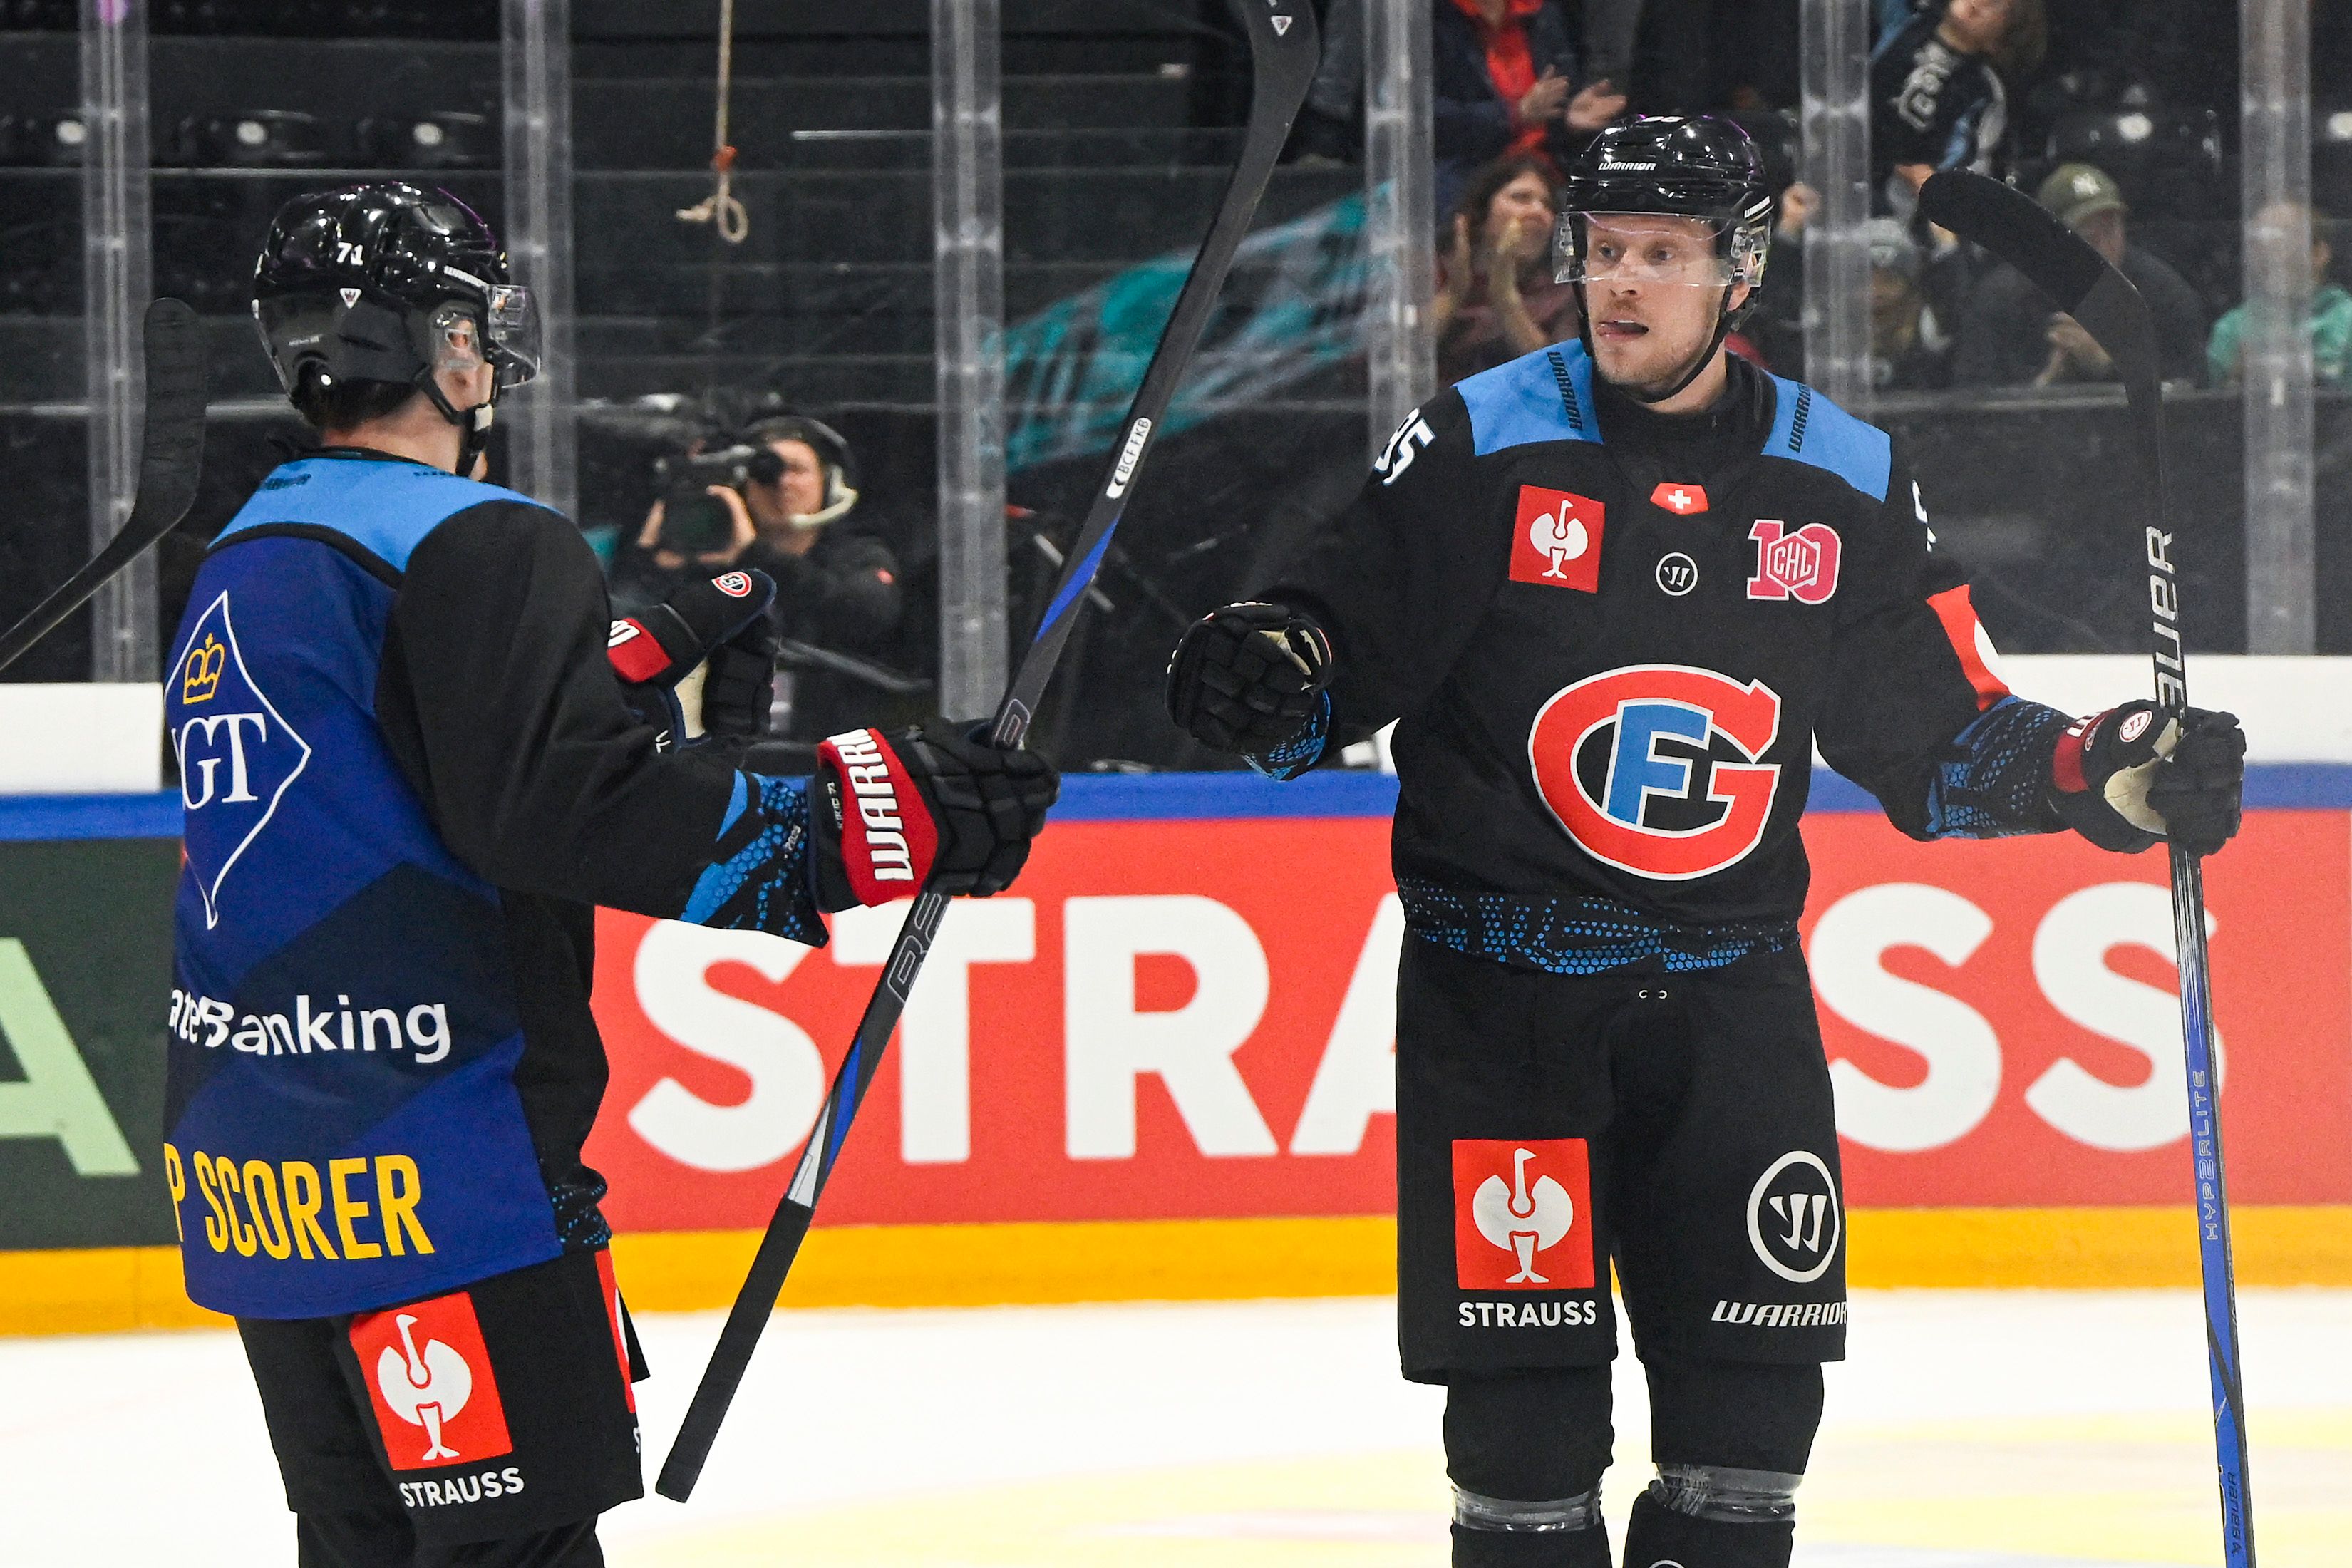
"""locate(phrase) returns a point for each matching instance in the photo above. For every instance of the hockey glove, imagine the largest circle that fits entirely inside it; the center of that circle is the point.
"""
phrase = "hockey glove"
(1247, 678)
(2134, 775)
(652, 650)
(930, 805)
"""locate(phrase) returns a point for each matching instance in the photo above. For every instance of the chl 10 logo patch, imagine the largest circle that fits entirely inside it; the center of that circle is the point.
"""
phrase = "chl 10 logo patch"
(1803, 565)
(1522, 1214)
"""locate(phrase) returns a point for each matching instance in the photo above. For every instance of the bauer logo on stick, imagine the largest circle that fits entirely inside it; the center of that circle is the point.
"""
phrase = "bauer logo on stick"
(1522, 1214)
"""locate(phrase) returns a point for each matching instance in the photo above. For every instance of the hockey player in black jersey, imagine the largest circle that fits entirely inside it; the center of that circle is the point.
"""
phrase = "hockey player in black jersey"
(415, 752)
(1614, 593)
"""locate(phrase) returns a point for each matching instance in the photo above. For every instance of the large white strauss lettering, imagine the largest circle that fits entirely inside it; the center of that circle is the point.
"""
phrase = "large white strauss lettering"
(1959, 1048)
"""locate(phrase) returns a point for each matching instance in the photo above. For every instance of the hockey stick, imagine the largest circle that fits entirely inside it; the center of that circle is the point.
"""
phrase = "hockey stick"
(171, 457)
(2013, 228)
(1283, 51)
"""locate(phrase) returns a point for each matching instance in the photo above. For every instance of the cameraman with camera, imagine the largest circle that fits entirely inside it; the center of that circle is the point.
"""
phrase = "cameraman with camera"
(780, 499)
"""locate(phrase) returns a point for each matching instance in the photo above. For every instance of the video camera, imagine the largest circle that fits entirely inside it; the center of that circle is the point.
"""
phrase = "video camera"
(693, 519)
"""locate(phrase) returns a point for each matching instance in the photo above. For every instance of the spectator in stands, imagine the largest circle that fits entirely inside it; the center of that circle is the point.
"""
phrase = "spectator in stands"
(1909, 350)
(2330, 323)
(2010, 336)
(837, 584)
(1496, 297)
(1938, 98)
(1503, 73)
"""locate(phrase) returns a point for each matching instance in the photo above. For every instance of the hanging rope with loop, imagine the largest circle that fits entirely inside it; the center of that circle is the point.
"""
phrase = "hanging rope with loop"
(720, 209)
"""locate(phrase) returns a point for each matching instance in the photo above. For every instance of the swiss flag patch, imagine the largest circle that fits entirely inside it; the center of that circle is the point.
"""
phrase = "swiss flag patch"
(429, 1378)
(1555, 540)
(1683, 500)
(1522, 1214)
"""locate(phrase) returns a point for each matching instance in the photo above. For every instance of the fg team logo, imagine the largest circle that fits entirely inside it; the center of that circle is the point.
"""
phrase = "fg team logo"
(1555, 540)
(1803, 565)
(237, 754)
(1657, 769)
(428, 1376)
(1793, 1217)
(1522, 1214)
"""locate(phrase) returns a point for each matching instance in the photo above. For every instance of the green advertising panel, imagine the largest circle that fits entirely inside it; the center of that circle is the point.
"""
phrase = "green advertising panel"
(85, 983)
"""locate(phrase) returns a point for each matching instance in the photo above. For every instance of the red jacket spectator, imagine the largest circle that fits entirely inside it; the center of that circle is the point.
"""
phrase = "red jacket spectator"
(1502, 74)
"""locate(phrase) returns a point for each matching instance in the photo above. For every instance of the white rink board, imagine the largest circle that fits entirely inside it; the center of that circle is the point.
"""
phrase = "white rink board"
(90, 738)
(1969, 1430)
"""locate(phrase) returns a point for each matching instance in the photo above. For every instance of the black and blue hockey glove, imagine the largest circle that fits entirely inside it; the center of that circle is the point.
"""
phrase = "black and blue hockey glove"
(720, 621)
(891, 814)
(2132, 776)
(1247, 678)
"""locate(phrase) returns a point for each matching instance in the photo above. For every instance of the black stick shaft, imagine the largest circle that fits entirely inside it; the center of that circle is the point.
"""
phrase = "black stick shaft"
(171, 458)
(1284, 52)
(2004, 222)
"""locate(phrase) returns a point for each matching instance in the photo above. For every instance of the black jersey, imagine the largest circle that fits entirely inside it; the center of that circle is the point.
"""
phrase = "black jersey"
(1612, 659)
(1932, 104)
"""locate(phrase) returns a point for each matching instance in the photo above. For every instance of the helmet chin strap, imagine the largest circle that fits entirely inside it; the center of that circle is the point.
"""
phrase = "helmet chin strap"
(1690, 372)
(472, 423)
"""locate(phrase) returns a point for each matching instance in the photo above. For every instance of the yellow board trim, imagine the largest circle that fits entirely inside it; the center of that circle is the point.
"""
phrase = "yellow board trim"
(106, 1290)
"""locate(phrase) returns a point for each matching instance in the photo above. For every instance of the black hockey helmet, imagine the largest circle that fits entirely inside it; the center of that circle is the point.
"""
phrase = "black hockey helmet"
(1673, 165)
(367, 283)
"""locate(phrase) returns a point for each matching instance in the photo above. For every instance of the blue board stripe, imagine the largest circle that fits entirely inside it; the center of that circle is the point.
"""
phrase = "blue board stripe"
(1145, 797)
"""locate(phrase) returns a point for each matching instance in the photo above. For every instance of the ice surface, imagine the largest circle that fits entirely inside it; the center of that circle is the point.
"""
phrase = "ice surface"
(1969, 1430)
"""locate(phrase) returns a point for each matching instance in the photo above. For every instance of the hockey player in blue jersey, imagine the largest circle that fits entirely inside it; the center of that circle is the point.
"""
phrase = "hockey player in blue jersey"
(414, 753)
(1613, 594)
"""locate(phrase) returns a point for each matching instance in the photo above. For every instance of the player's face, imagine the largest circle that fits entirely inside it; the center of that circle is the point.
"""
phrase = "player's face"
(1652, 286)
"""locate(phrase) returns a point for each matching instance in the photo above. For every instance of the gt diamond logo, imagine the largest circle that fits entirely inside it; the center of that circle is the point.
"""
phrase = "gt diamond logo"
(1658, 769)
(1793, 1217)
(237, 754)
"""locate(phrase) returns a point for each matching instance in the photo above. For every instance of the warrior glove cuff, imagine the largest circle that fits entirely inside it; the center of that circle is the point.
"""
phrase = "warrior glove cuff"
(930, 807)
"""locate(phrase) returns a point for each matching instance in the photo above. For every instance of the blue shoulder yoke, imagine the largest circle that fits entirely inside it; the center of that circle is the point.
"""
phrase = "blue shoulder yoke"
(386, 506)
(1546, 396)
(1808, 428)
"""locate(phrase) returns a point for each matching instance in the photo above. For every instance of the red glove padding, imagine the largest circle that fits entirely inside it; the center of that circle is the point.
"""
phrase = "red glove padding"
(657, 645)
(722, 621)
(2134, 775)
(928, 806)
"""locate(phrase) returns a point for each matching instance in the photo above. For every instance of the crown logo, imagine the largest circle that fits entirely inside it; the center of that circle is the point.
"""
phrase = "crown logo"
(204, 670)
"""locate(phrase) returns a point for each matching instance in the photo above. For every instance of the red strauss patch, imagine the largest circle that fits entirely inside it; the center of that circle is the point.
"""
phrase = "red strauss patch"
(429, 1377)
(1522, 1214)
(1555, 540)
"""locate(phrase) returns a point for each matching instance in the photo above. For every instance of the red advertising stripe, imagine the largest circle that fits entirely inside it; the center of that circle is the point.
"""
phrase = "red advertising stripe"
(1180, 1020)
(2001, 1018)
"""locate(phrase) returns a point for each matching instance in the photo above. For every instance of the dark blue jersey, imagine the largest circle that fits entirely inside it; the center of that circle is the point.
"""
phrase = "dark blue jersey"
(408, 775)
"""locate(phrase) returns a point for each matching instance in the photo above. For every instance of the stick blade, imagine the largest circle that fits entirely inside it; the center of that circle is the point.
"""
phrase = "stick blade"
(2021, 231)
(172, 450)
(2015, 228)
